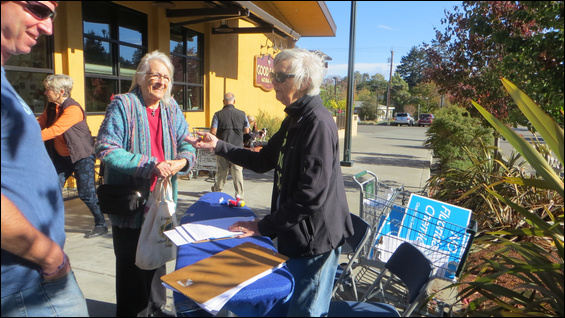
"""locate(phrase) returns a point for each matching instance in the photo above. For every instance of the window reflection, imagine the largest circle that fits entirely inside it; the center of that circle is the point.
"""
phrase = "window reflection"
(129, 59)
(29, 86)
(97, 56)
(114, 43)
(98, 92)
(193, 71)
(188, 62)
(97, 29)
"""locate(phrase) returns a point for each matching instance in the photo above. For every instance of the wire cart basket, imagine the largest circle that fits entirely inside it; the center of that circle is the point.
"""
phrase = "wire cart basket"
(442, 232)
(205, 159)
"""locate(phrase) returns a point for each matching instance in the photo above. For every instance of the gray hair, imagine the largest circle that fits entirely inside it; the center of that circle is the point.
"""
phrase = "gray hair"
(143, 67)
(229, 97)
(59, 82)
(307, 67)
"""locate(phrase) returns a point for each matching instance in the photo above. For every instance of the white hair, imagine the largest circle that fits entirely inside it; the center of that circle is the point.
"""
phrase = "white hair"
(307, 67)
(59, 82)
(143, 67)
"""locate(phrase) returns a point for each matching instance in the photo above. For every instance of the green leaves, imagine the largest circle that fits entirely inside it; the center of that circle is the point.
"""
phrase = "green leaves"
(538, 269)
(546, 126)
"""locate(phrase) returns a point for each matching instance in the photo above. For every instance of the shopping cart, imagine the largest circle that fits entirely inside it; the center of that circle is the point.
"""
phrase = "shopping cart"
(441, 231)
(376, 203)
(205, 159)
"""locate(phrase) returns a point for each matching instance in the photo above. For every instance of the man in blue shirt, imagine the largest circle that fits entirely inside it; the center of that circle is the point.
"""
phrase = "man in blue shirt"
(37, 279)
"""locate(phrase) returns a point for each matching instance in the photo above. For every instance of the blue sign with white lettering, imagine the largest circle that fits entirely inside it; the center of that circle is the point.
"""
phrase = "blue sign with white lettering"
(437, 228)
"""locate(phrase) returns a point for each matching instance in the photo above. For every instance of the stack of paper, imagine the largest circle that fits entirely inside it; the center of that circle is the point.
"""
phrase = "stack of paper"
(213, 281)
(204, 230)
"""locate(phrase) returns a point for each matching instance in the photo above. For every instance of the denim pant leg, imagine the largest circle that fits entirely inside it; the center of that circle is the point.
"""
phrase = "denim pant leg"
(59, 298)
(84, 174)
(314, 278)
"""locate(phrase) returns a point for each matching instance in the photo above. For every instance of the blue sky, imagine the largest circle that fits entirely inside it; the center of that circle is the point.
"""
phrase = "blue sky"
(381, 26)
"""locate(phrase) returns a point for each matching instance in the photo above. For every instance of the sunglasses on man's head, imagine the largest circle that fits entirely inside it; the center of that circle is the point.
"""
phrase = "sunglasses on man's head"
(279, 77)
(39, 10)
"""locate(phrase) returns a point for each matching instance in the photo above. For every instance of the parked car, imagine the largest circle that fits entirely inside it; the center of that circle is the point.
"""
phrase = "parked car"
(425, 119)
(403, 119)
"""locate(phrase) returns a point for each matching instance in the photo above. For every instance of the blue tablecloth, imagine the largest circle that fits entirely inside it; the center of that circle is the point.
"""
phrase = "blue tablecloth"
(264, 297)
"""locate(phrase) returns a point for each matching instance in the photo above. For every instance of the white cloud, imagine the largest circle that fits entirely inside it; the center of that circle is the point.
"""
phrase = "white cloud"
(384, 27)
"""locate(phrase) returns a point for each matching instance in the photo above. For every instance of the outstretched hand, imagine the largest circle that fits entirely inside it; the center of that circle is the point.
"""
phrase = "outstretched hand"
(205, 140)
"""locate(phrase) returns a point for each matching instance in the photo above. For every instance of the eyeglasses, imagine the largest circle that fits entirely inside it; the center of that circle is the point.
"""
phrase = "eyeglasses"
(279, 77)
(159, 77)
(39, 10)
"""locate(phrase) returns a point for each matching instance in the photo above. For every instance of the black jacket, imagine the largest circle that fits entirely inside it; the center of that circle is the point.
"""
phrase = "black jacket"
(309, 211)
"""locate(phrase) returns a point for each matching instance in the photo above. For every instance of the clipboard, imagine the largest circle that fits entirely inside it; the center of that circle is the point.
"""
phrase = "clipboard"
(218, 274)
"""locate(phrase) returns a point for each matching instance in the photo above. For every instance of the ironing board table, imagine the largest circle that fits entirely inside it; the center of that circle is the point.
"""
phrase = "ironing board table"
(256, 299)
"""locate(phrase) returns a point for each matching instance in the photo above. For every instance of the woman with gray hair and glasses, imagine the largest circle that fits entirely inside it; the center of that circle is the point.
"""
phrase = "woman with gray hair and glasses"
(70, 144)
(309, 211)
(141, 139)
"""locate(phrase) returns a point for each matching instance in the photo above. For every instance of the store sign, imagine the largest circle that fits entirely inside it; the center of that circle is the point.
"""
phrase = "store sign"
(263, 66)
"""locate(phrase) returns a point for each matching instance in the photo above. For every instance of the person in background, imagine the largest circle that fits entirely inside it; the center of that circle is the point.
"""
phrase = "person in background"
(37, 279)
(309, 213)
(255, 137)
(229, 124)
(142, 139)
(70, 144)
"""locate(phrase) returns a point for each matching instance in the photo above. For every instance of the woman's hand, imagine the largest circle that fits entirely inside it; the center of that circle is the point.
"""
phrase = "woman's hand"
(205, 141)
(249, 228)
(177, 165)
(163, 169)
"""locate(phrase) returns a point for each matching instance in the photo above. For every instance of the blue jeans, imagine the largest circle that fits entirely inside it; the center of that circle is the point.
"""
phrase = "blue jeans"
(314, 279)
(59, 298)
(84, 175)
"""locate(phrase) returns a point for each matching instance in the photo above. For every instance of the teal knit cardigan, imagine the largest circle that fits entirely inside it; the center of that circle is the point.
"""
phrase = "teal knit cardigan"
(124, 145)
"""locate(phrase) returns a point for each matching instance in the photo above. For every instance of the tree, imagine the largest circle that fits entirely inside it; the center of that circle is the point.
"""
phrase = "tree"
(487, 40)
(399, 94)
(412, 66)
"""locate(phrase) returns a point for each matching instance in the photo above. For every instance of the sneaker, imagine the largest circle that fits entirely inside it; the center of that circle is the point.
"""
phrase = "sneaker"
(97, 231)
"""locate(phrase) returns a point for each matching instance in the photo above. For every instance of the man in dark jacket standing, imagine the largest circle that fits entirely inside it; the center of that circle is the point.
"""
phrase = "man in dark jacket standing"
(309, 211)
(229, 125)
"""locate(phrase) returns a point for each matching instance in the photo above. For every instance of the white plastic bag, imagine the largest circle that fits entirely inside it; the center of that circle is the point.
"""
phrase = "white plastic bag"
(154, 248)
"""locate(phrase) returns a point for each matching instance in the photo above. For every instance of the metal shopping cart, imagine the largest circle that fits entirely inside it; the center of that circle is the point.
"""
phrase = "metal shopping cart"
(442, 232)
(205, 159)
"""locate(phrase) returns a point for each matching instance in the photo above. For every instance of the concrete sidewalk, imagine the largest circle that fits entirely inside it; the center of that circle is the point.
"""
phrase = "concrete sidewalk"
(395, 154)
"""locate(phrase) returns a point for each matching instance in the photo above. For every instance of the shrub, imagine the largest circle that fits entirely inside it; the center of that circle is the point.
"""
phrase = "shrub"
(453, 128)
(264, 120)
(531, 254)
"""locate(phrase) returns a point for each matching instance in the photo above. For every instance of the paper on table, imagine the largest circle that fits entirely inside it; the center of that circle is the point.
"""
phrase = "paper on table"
(204, 230)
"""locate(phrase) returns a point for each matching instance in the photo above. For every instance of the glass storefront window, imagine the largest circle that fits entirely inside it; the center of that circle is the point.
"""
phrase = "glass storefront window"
(29, 86)
(26, 73)
(129, 59)
(188, 61)
(193, 73)
(97, 57)
(115, 41)
(98, 92)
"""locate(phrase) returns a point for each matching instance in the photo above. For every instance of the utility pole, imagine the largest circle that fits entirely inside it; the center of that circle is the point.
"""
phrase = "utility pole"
(389, 83)
(350, 91)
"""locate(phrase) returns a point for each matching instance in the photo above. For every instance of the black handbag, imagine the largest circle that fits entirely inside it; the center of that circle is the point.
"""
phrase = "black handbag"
(119, 199)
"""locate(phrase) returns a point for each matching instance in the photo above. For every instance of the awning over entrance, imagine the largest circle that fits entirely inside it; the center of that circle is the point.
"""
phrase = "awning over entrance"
(288, 19)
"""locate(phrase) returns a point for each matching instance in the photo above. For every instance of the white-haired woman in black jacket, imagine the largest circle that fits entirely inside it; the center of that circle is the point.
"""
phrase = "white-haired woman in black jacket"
(309, 211)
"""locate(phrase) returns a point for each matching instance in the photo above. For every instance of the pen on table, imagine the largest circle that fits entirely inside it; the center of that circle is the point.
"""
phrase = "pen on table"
(216, 238)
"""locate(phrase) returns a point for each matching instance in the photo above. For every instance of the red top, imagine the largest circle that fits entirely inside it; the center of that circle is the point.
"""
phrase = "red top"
(156, 131)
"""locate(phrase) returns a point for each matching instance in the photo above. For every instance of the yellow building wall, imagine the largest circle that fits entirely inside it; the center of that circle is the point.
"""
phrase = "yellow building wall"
(228, 60)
